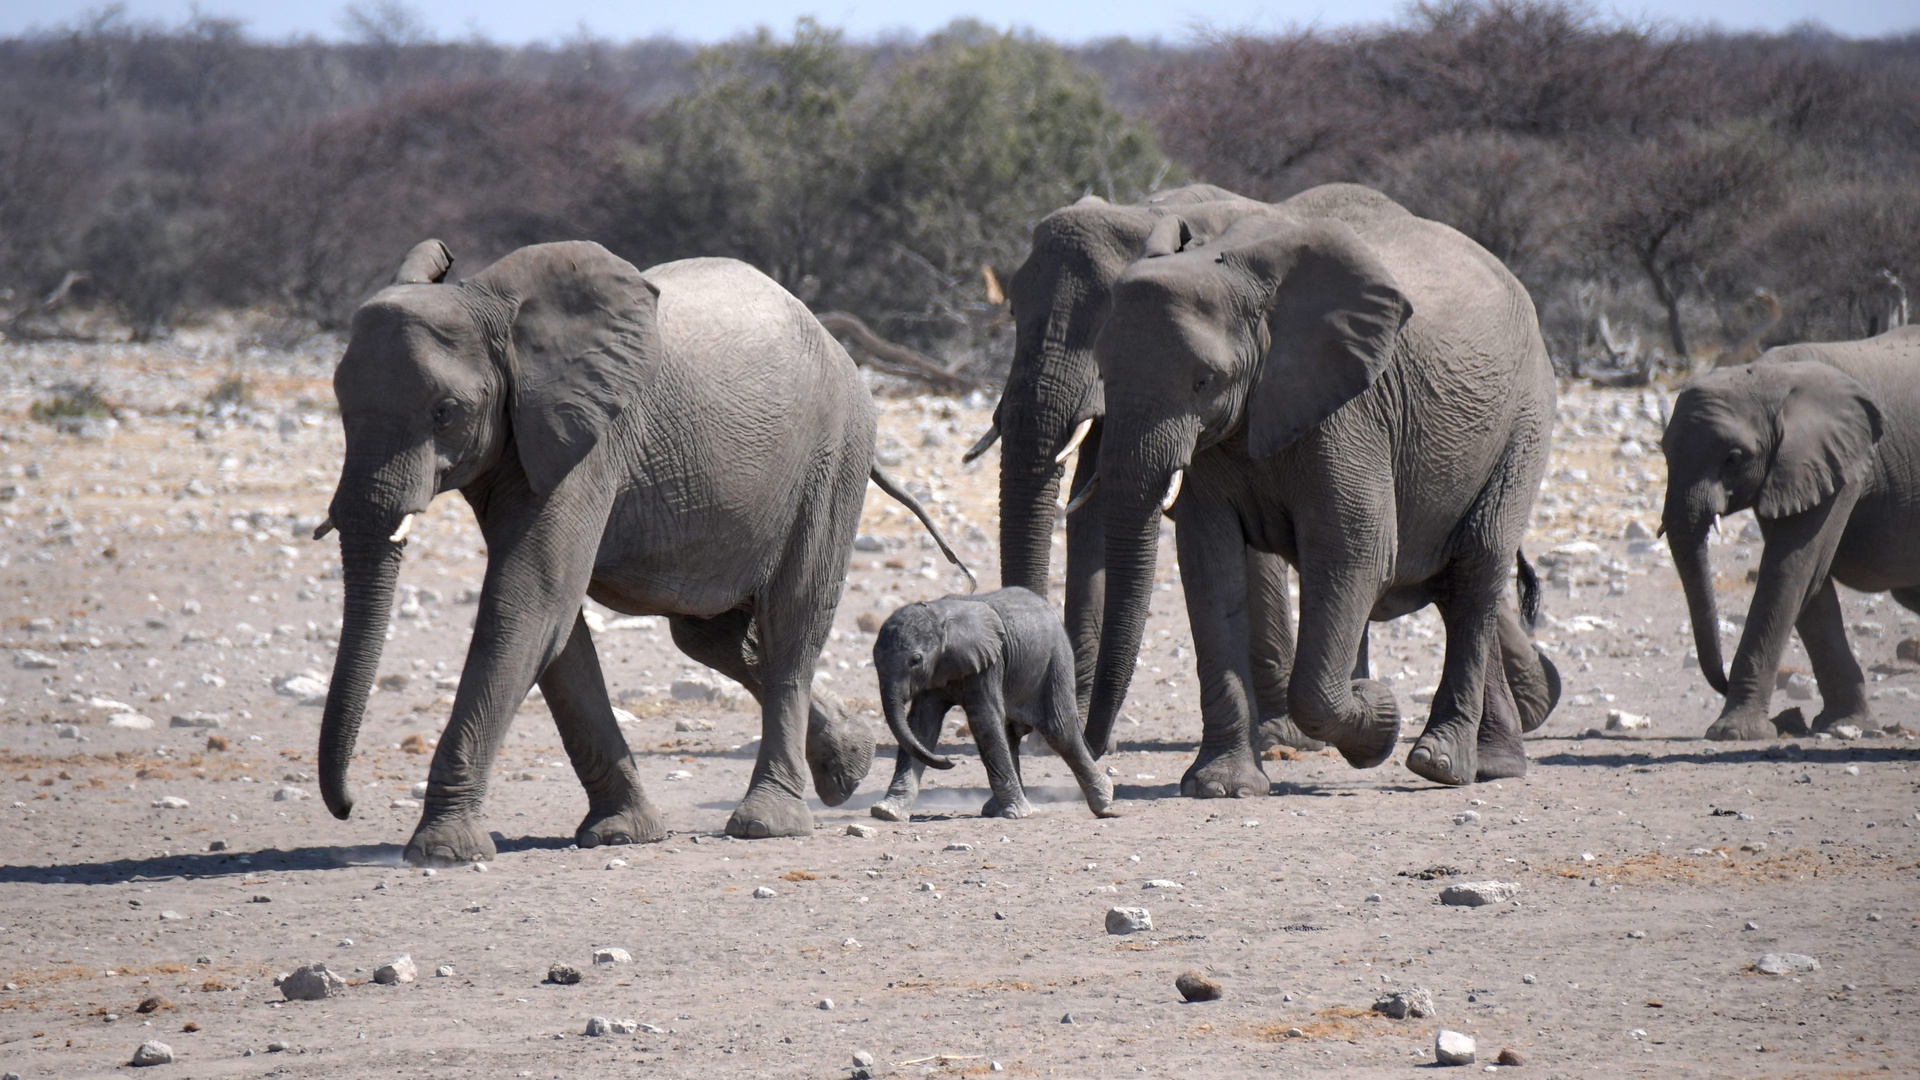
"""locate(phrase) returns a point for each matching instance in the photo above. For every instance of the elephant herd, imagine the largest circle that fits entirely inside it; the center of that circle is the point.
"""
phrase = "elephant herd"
(1329, 382)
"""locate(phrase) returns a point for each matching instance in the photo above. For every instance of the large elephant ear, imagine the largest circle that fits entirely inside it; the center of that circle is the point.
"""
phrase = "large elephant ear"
(1828, 424)
(426, 264)
(585, 341)
(974, 638)
(1334, 314)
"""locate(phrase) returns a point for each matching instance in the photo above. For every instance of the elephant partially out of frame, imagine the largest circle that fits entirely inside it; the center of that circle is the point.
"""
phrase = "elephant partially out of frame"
(1822, 441)
(686, 442)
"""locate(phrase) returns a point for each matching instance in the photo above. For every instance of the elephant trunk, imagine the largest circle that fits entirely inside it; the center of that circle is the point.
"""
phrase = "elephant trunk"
(1029, 488)
(1691, 562)
(370, 564)
(894, 701)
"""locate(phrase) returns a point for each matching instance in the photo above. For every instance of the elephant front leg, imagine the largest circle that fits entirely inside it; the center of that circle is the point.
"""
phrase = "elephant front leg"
(776, 799)
(618, 811)
(1447, 752)
(924, 717)
(1213, 575)
(1843, 689)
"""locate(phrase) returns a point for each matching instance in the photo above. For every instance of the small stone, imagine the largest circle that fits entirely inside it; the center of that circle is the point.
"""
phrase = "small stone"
(153, 1004)
(291, 794)
(1066, 1018)
(312, 983)
(863, 1059)
(1414, 1001)
(217, 845)
(130, 721)
(1786, 964)
(824, 1005)
(197, 720)
(1373, 898)
(1853, 770)
(1621, 720)
(400, 969)
(1162, 883)
(616, 864)
(692, 723)
(1751, 925)
(1128, 920)
(1466, 817)
(171, 916)
(1874, 916)
(1196, 987)
(1754, 846)
(864, 832)
(1295, 1033)
(1848, 732)
(420, 789)
(33, 661)
(1479, 893)
(563, 974)
(764, 893)
(67, 731)
(1529, 979)
(612, 956)
(1453, 1048)
(598, 1026)
(1509, 1056)
(171, 802)
(444, 971)
(153, 1052)
(958, 847)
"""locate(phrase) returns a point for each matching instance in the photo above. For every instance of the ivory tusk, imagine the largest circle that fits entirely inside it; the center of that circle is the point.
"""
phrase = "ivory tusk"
(1173, 491)
(406, 526)
(1086, 492)
(1079, 434)
(986, 441)
(322, 529)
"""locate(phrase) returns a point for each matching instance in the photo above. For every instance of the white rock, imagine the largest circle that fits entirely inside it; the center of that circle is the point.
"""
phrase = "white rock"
(1637, 531)
(130, 721)
(171, 802)
(958, 847)
(400, 969)
(404, 804)
(612, 956)
(1786, 964)
(1415, 1002)
(1846, 731)
(1453, 1048)
(197, 720)
(208, 678)
(444, 971)
(622, 716)
(153, 1052)
(312, 983)
(598, 1026)
(679, 774)
(1128, 920)
(1621, 720)
(1479, 893)
(291, 794)
(307, 687)
(33, 661)
(1466, 817)
(764, 893)
(692, 724)
(1162, 883)
(420, 789)
(623, 1027)
(616, 864)
(864, 832)
(824, 1005)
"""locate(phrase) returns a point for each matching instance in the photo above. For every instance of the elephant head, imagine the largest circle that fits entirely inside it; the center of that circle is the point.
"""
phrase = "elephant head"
(1263, 334)
(1779, 436)
(521, 369)
(925, 645)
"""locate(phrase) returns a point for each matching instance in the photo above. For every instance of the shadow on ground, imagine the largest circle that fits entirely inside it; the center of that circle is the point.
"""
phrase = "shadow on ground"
(229, 864)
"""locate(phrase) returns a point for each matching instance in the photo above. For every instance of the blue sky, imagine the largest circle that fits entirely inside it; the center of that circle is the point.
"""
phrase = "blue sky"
(1068, 20)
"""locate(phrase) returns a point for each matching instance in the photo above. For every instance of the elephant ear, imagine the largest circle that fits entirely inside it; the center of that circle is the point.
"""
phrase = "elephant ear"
(1828, 425)
(585, 340)
(1333, 318)
(426, 264)
(973, 638)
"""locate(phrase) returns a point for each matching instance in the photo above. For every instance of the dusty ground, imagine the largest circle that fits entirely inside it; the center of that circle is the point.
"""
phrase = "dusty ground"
(166, 570)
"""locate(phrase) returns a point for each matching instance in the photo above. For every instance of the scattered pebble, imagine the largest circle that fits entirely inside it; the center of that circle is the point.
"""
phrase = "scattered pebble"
(958, 847)
(1620, 720)
(1128, 920)
(153, 1052)
(171, 802)
(1194, 986)
(1479, 893)
(312, 983)
(864, 832)
(1529, 979)
(291, 794)
(1295, 1033)
(1786, 964)
(400, 969)
(563, 974)
(1415, 1002)
(764, 893)
(1162, 883)
(1637, 935)
(444, 971)
(1466, 817)
(1066, 1018)
(1751, 925)
(1373, 898)
(863, 1059)
(824, 1005)
(616, 864)
(612, 956)
(597, 1026)
(1453, 1048)
(1509, 1056)
(1853, 770)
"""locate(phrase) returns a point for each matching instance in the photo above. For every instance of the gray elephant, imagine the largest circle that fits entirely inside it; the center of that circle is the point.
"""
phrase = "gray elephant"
(1822, 441)
(1370, 400)
(687, 442)
(1054, 405)
(1004, 658)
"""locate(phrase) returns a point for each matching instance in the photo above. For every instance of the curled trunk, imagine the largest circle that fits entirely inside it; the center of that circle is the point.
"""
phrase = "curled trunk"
(894, 704)
(370, 565)
(1691, 562)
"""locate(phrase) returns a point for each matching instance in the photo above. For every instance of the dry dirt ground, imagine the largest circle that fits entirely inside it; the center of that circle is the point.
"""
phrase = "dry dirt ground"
(164, 568)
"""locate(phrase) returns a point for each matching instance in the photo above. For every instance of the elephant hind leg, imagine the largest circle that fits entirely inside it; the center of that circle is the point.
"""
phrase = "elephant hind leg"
(618, 811)
(1270, 638)
(1843, 689)
(1531, 677)
(1500, 752)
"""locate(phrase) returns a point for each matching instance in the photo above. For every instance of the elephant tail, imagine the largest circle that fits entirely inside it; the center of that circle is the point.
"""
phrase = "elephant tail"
(899, 494)
(1529, 588)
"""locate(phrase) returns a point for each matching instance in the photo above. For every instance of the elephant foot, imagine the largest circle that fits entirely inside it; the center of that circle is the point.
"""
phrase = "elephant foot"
(1499, 755)
(1790, 723)
(767, 812)
(449, 841)
(1535, 707)
(1751, 723)
(1019, 807)
(1282, 731)
(1371, 741)
(1224, 774)
(1447, 752)
(891, 809)
(637, 823)
(839, 749)
(1831, 718)
(1100, 797)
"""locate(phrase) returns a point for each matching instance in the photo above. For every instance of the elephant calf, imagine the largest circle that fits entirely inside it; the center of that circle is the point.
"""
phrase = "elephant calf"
(1005, 659)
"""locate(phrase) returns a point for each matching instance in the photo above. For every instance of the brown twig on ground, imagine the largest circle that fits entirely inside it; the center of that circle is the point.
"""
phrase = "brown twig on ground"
(889, 357)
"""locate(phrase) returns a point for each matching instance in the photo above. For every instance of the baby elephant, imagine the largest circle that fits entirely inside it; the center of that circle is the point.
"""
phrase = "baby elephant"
(1004, 658)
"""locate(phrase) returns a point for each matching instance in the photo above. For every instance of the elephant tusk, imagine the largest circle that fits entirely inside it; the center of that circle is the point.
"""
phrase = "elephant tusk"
(992, 436)
(1661, 531)
(406, 526)
(1086, 492)
(1173, 491)
(1079, 434)
(321, 530)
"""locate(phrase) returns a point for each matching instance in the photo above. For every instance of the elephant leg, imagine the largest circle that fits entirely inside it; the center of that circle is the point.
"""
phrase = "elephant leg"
(1214, 576)
(1843, 689)
(1531, 677)
(1499, 752)
(617, 809)
(1270, 630)
(1359, 717)
(925, 717)
(1794, 567)
(987, 719)
(1907, 598)
(1060, 726)
(1086, 573)
(1447, 752)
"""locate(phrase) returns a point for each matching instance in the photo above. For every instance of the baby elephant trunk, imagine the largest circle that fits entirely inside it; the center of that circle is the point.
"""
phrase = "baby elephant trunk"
(895, 706)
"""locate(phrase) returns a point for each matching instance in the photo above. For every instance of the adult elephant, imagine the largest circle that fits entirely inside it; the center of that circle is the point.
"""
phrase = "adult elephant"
(1822, 441)
(687, 442)
(1054, 404)
(1371, 402)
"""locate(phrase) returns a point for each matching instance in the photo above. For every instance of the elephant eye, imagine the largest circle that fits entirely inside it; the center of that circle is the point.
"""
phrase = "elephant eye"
(1202, 382)
(1736, 455)
(445, 413)
(917, 660)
